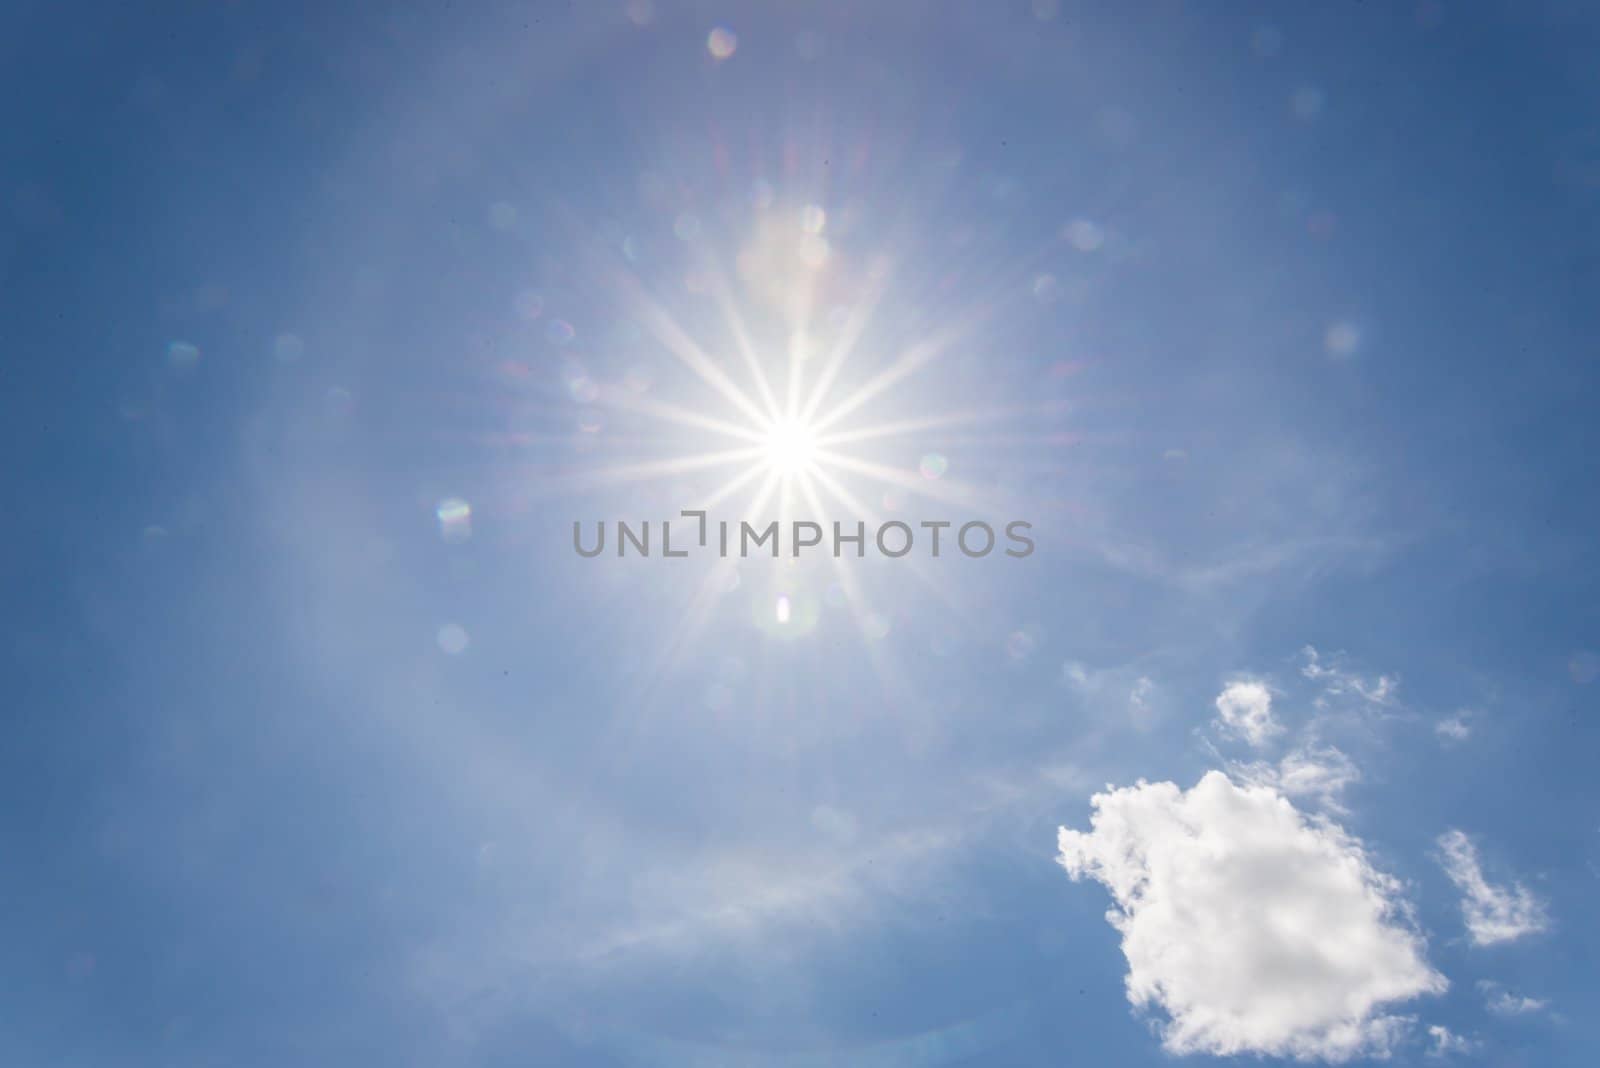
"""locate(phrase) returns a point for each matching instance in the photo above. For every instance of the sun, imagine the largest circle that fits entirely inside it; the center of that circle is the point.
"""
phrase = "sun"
(789, 447)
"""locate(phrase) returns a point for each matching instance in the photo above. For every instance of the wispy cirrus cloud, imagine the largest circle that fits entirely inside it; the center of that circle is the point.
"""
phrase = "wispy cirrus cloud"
(1493, 913)
(1503, 1002)
(1319, 774)
(1337, 681)
(1443, 1042)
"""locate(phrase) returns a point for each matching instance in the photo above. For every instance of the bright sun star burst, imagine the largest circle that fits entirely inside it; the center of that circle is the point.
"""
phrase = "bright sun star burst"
(789, 447)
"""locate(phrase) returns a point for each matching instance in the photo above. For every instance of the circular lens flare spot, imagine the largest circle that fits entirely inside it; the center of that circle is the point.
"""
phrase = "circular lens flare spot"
(721, 42)
(452, 639)
(455, 519)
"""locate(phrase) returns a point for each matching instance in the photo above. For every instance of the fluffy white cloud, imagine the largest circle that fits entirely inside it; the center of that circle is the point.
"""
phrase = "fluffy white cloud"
(1255, 928)
(1502, 1002)
(1492, 913)
(1244, 707)
(1453, 729)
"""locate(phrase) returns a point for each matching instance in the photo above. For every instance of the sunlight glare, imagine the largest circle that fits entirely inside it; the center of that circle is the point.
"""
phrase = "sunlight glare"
(790, 447)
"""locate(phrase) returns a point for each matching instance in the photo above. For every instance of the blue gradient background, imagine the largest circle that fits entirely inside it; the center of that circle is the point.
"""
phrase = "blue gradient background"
(252, 812)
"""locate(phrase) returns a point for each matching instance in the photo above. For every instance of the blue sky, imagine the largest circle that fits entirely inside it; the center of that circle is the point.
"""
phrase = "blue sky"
(322, 328)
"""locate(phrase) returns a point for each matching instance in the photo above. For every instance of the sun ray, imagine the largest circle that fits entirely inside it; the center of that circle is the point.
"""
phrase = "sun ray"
(934, 422)
(676, 640)
(666, 330)
(915, 356)
(729, 488)
(711, 587)
(859, 507)
(723, 295)
(860, 314)
(947, 491)
(606, 476)
(798, 343)
(911, 360)
(624, 400)
(886, 668)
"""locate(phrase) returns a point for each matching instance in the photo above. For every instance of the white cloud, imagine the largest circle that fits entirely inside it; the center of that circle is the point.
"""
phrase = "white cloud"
(1446, 1042)
(1338, 681)
(1453, 729)
(1502, 1002)
(1317, 773)
(1139, 697)
(1121, 693)
(1254, 928)
(1244, 707)
(1492, 913)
